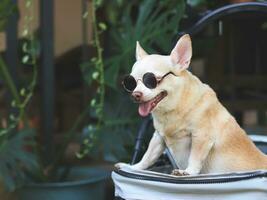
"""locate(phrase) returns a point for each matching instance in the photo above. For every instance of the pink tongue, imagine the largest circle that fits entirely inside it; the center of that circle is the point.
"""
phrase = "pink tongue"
(145, 108)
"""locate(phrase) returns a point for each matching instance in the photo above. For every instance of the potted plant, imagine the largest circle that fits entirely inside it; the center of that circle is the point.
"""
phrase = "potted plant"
(15, 140)
(20, 168)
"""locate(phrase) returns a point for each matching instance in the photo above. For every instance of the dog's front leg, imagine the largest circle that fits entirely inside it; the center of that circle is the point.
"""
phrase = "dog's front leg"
(200, 148)
(155, 149)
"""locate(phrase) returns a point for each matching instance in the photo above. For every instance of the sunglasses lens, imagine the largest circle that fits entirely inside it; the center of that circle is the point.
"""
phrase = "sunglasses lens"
(129, 83)
(150, 80)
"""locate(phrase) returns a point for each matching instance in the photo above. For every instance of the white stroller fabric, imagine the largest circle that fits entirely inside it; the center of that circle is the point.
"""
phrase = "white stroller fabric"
(248, 187)
(137, 189)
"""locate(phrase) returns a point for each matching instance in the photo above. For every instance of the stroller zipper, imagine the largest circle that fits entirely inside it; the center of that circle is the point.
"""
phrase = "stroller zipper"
(228, 179)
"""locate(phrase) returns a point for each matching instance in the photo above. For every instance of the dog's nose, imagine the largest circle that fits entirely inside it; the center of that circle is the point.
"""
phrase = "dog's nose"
(137, 95)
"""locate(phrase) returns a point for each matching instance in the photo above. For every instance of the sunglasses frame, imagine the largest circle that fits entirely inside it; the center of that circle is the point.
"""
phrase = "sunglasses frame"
(157, 80)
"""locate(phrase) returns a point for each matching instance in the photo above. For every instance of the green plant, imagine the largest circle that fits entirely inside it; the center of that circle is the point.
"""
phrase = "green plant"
(97, 103)
(17, 158)
(16, 143)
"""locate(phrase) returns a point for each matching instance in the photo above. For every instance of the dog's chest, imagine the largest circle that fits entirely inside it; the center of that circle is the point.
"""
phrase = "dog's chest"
(178, 140)
(179, 146)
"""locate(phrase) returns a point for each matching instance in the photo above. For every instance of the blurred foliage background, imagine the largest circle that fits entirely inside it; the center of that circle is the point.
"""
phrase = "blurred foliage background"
(94, 117)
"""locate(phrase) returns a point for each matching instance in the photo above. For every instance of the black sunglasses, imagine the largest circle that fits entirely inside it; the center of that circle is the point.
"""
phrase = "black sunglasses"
(149, 79)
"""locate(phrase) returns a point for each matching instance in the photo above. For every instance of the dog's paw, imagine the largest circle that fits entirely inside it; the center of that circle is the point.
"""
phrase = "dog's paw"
(179, 172)
(121, 165)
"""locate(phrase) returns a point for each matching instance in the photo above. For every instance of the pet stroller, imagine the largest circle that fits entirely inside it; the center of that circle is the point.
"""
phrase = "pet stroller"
(156, 183)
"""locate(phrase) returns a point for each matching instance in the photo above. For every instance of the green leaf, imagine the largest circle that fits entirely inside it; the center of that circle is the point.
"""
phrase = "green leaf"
(25, 32)
(6, 178)
(23, 92)
(28, 3)
(25, 59)
(95, 75)
(93, 102)
(85, 15)
(102, 26)
(16, 159)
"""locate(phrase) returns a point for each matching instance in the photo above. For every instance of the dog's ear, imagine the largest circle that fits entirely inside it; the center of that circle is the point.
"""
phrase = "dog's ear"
(139, 52)
(182, 53)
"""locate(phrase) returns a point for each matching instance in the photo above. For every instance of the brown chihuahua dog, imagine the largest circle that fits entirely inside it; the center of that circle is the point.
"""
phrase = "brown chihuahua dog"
(202, 136)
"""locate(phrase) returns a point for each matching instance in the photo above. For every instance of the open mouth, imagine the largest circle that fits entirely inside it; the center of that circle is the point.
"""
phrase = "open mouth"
(146, 107)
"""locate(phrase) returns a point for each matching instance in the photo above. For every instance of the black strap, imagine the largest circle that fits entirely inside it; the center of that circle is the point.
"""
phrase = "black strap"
(140, 138)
